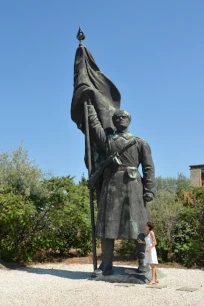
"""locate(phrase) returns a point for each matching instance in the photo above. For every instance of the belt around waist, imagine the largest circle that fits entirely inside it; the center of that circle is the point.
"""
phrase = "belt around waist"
(125, 168)
(121, 168)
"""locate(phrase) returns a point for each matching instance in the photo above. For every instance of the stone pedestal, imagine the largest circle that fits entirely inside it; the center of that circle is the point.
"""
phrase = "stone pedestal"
(127, 275)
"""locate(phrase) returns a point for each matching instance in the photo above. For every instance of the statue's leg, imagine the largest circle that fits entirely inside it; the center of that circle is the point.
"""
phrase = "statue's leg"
(107, 246)
(141, 255)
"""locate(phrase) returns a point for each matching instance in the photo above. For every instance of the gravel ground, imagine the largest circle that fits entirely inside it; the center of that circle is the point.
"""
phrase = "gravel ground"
(61, 284)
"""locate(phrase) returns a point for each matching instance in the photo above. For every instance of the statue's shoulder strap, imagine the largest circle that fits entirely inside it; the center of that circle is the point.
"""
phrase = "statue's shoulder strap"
(128, 136)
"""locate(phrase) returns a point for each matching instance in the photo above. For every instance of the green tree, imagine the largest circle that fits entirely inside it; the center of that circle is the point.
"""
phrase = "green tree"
(19, 174)
(189, 240)
(165, 211)
(68, 216)
(38, 213)
(21, 190)
(16, 216)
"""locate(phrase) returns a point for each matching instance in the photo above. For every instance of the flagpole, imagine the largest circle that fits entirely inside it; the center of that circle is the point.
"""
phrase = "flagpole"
(81, 36)
(91, 193)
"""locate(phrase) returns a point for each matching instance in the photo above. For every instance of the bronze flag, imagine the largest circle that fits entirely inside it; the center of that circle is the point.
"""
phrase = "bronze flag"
(90, 82)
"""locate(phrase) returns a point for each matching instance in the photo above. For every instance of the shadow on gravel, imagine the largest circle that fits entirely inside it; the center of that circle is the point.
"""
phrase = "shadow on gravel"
(60, 273)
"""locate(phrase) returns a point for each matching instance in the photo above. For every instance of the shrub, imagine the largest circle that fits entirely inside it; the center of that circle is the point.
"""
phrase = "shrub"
(68, 216)
(38, 214)
(189, 240)
(16, 216)
(127, 249)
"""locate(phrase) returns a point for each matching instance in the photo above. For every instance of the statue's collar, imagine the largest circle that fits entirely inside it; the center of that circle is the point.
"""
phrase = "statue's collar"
(121, 133)
(126, 135)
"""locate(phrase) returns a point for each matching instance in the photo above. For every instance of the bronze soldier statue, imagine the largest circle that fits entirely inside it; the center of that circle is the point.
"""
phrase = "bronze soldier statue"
(122, 192)
(122, 212)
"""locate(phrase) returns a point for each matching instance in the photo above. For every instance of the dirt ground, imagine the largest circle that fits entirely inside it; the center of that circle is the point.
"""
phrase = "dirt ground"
(74, 259)
(118, 260)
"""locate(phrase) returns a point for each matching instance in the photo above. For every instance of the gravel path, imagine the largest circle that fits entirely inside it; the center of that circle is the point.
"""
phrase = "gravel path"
(67, 285)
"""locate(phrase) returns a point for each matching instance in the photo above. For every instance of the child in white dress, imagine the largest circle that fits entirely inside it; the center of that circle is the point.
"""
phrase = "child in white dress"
(150, 252)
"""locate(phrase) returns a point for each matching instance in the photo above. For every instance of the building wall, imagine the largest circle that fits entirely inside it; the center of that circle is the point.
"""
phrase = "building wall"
(195, 177)
(202, 177)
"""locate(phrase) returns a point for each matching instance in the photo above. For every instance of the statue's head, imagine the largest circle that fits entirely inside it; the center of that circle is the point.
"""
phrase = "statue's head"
(121, 120)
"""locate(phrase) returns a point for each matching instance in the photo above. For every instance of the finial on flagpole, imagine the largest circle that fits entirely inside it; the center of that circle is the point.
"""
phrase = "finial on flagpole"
(80, 36)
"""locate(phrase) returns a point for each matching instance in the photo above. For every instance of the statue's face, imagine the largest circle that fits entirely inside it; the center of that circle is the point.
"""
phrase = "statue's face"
(121, 122)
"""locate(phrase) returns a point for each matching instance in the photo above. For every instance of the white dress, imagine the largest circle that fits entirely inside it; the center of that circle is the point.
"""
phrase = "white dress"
(150, 257)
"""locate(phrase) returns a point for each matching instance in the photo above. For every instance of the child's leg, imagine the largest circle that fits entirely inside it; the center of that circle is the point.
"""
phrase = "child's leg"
(154, 271)
(156, 274)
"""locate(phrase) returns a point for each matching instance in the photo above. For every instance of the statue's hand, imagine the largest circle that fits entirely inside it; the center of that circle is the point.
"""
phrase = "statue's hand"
(148, 197)
(86, 98)
(91, 109)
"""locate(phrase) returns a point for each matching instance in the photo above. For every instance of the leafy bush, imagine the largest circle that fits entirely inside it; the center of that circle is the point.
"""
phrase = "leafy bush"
(189, 240)
(164, 213)
(38, 214)
(127, 249)
(19, 174)
(16, 216)
(68, 216)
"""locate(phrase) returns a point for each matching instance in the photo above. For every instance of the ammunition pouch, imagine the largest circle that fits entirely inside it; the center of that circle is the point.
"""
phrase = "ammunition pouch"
(131, 172)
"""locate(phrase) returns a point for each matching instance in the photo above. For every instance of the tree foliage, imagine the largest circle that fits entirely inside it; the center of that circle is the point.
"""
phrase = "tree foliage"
(19, 174)
(189, 239)
(47, 214)
(39, 213)
(165, 211)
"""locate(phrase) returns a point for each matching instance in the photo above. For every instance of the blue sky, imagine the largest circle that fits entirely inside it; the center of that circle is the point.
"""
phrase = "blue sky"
(152, 50)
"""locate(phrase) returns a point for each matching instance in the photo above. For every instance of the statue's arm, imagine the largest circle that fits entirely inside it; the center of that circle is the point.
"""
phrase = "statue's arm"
(148, 171)
(96, 129)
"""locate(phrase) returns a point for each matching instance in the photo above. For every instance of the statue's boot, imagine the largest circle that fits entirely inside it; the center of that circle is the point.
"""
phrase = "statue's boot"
(106, 266)
(142, 266)
(141, 256)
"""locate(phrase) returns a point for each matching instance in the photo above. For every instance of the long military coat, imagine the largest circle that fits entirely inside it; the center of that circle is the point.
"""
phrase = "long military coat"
(122, 212)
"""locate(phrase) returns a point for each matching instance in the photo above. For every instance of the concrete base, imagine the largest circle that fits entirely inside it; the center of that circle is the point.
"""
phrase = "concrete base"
(187, 289)
(156, 286)
(127, 275)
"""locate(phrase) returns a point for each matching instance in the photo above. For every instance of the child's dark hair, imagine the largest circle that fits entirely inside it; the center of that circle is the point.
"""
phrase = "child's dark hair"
(150, 225)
